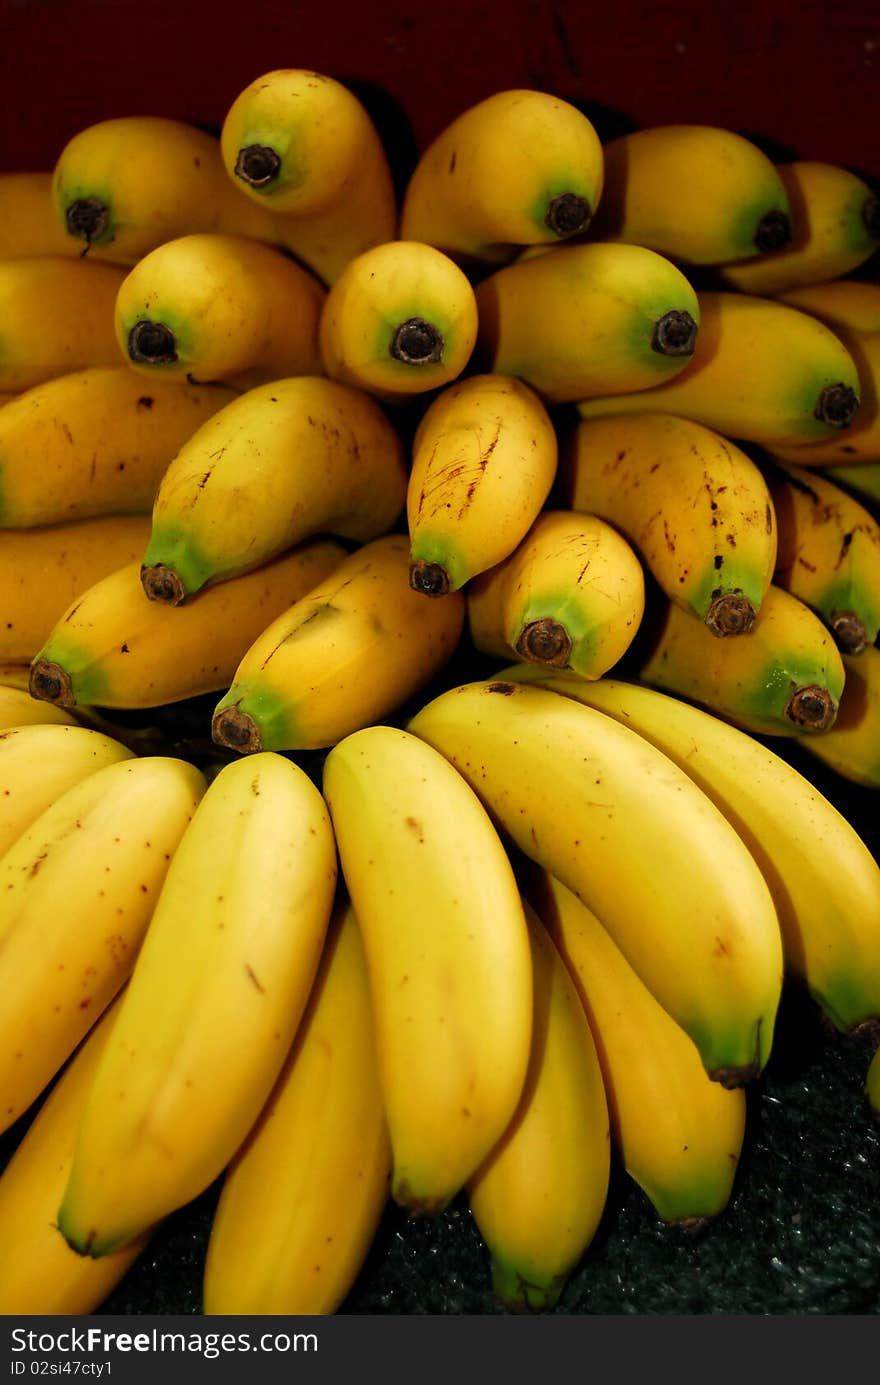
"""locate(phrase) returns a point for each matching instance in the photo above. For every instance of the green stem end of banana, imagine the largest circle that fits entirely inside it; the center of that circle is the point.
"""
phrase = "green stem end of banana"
(429, 578)
(544, 641)
(162, 583)
(49, 682)
(730, 614)
(236, 730)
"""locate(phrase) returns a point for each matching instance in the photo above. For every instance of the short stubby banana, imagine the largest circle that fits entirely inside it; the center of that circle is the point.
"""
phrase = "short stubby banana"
(584, 320)
(679, 1135)
(212, 1006)
(115, 648)
(860, 442)
(18, 708)
(348, 653)
(694, 506)
(785, 679)
(95, 442)
(302, 1198)
(698, 193)
(571, 595)
(447, 953)
(78, 889)
(761, 372)
(852, 747)
(483, 461)
(539, 1196)
(849, 304)
(620, 824)
(521, 167)
(57, 316)
(401, 319)
(285, 461)
(28, 221)
(209, 307)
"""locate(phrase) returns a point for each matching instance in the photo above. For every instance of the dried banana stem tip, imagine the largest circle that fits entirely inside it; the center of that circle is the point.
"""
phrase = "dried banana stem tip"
(49, 682)
(772, 232)
(731, 1078)
(812, 708)
(568, 214)
(544, 641)
(152, 343)
(416, 342)
(731, 614)
(162, 583)
(849, 631)
(837, 405)
(236, 730)
(429, 578)
(257, 165)
(87, 218)
(675, 334)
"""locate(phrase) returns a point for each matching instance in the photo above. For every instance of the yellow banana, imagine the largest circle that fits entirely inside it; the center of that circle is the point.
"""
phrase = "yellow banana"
(698, 193)
(304, 147)
(785, 678)
(678, 1134)
(852, 747)
(349, 652)
(400, 319)
(447, 952)
(694, 506)
(29, 224)
(539, 1196)
(835, 227)
(520, 167)
(627, 830)
(761, 371)
(57, 316)
(872, 1083)
(860, 442)
(483, 461)
(218, 989)
(587, 320)
(39, 1273)
(570, 595)
(208, 307)
(94, 442)
(18, 708)
(78, 888)
(115, 648)
(302, 1198)
(284, 461)
(862, 479)
(842, 304)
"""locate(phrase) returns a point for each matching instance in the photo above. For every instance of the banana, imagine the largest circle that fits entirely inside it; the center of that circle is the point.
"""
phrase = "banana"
(824, 881)
(57, 316)
(218, 989)
(835, 227)
(586, 320)
(209, 307)
(304, 147)
(761, 372)
(829, 554)
(28, 222)
(284, 461)
(692, 504)
(78, 888)
(42, 571)
(520, 167)
(18, 708)
(94, 442)
(447, 953)
(571, 595)
(302, 1198)
(842, 304)
(697, 193)
(39, 1273)
(862, 479)
(784, 680)
(483, 461)
(349, 652)
(401, 319)
(617, 822)
(872, 1083)
(125, 185)
(115, 648)
(538, 1198)
(852, 747)
(860, 442)
(679, 1135)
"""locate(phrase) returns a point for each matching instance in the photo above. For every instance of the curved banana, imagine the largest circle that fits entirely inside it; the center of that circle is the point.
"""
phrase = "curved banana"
(872, 1083)
(209, 307)
(94, 442)
(786, 678)
(539, 1196)
(860, 442)
(586, 320)
(400, 319)
(483, 461)
(114, 648)
(520, 167)
(18, 708)
(621, 825)
(862, 479)
(835, 227)
(679, 1135)
(78, 888)
(692, 504)
(697, 193)
(851, 305)
(852, 747)
(29, 224)
(284, 461)
(302, 1198)
(305, 148)
(348, 653)
(447, 952)
(218, 989)
(570, 595)
(57, 316)
(761, 371)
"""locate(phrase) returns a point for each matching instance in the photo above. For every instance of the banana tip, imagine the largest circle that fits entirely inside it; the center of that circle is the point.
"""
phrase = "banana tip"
(49, 682)
(730, 614)
(544, 641)
(162, 583)
(431, 579)
(731, 1078)
(811, 708)
(237, 730)
(849, 631)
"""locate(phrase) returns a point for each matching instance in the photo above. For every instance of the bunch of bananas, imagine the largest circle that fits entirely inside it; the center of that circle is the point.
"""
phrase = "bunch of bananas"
(511, 520)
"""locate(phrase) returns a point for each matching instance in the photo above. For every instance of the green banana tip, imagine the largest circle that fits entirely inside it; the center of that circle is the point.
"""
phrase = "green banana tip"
(518, 1294)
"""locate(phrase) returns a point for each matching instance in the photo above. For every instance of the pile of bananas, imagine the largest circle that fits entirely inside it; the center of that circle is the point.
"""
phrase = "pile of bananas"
(511, 519)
